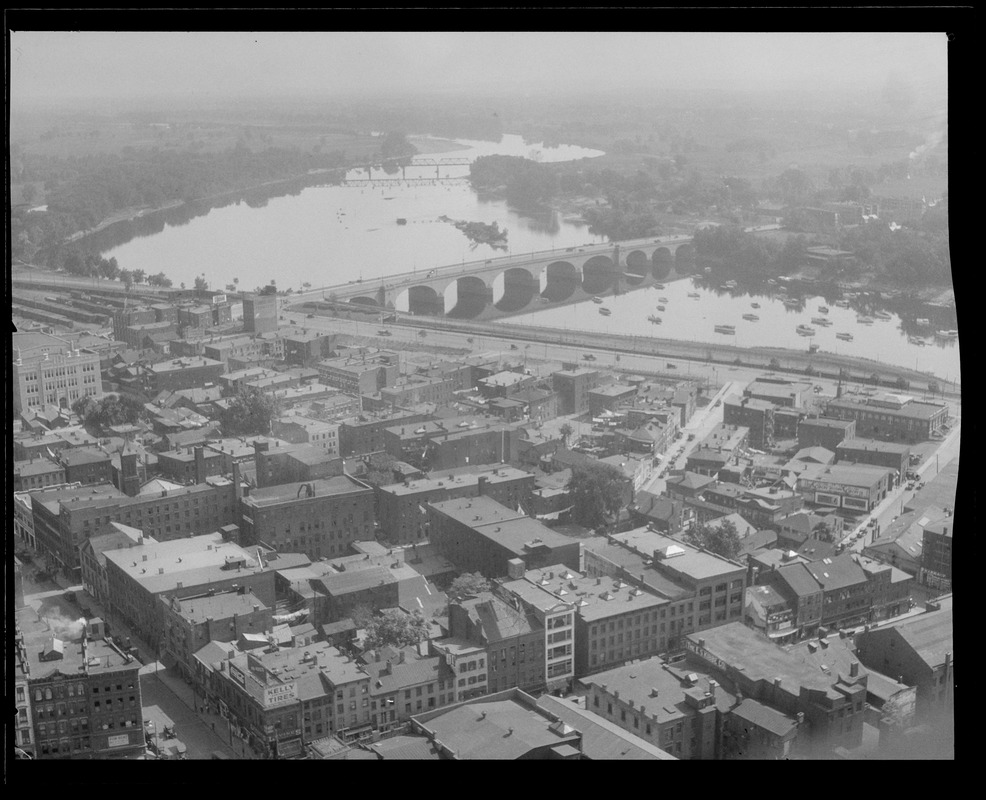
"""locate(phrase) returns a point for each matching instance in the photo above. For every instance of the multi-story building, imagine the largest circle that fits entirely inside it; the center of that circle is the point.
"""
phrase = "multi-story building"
(468, 662)
(399, 506)
(513, 638)
(857, 488)
(891, 416)
(295, 463)
(190, 623)
(260, 313)
(84, 692)
(880, 454)
(777, 391)
(360, 374)
(282, 699)
(92, 558)
(308, 348)
(85, 464)
(662, 705)
(936, 568)
(303, 430)
(367, 433)
(37, 474)
(139, 576)
(406, 682)
(574, 386)
(825, 432)
(183, 373)
(702, 589)
(411, 390)
(192, 465)
(919, 652)
(609, 398)
(47, 370)
(614, 620)
(828, 703)
(320, 518)
(481, 535)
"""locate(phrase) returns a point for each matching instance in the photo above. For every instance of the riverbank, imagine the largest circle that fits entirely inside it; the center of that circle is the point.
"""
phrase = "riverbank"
(429, 145)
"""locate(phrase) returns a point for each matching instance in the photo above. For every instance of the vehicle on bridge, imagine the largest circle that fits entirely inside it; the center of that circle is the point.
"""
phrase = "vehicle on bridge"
(589, 357)
(384, 333)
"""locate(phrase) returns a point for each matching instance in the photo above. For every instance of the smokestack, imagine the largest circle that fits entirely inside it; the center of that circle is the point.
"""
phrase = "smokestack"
(237, 488)
(481, 486)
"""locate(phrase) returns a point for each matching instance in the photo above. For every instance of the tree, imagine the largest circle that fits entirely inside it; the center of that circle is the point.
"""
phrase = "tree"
(597, 494)
(138, 275)
(566, 430)
(201, 283)
(395, 628)
(722, 539)
(248, 414)
(823, 532)
(469, 583)
(380, 469)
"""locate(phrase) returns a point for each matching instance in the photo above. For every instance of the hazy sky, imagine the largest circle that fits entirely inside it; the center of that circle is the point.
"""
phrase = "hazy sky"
(47, 65)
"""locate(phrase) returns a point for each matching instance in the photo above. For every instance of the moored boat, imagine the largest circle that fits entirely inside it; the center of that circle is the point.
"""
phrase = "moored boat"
(754, 305)
(729, 329)
(805, 330)
(846, 337)
(864, 320)
(655, 319)
(597, 300)
(605, 312)
(882, 315)
(660, 286)
(751, 317)
(696, 295)
(660, 308)
(824, 309)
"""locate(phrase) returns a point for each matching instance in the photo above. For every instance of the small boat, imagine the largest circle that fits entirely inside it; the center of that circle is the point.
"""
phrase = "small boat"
(947, 334)
(655, 319)
(605, 312)
(771, 282)
(864, 320)
(824, 309)
(597, 300)
(823, 321)
(662, 299)
(846, 337)
(882, 315)
(792, 303)
(842, 303)
(728, 329)
(401, 221)
(754, 305)
(924, 323)
(660, 308)
(916, 340)
(660, 286)
(805, 330)
(729, 285)
(751, 317)
(696, 295)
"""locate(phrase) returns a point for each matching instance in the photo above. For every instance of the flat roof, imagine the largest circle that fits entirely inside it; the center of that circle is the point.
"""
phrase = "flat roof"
(690, 561)
(493, 475)
(863, 475)
(914, 409)
(637, 564)
(185, 362)
(289, 492)
(594, 597)
(874, 445)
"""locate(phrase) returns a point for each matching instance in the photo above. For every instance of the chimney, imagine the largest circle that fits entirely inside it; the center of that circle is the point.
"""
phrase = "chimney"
(481, 486)
(199, 464)
(854, 669)
(237, 488)
(712, 687)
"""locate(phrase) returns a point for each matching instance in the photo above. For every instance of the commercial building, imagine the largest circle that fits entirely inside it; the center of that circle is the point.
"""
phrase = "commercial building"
(294, 463)
(37, 473)
(702, 589)
(85, 465)
(573, 385)
(92, 558)
(320, 518)
(83, 691)
(856, 488)
(825, 432)
(190, 623)
(779, 392)
(406, 682)
(501, 727)
(880, 454)
(48, 370)
(481, 535)
(139, 576)
(400, 506)
(367, 433)
(936, 568)
(513, 638)
(304, 430)
(260, 313)
(919, 652)
(609, 398)
(614, 620)
(360, 374)
(188, 372)
(282, 699)
(502, 384)
(891, 416)
(192, 465)
(664, 706)
(828, 703)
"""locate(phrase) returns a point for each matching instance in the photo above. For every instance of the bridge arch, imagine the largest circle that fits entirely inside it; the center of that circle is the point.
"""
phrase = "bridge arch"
(684, 259)
(599, 274)
(466, 297)
(637, 267)
(514, 288)
(420, 300)
(662, 263)
(559, 280)
(364, 301)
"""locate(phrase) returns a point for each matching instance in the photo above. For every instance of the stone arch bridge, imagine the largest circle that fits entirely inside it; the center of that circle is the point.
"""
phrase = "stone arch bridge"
(521, 283)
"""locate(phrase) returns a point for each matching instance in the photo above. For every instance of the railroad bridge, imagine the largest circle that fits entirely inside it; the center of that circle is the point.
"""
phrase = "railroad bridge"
(520, 283)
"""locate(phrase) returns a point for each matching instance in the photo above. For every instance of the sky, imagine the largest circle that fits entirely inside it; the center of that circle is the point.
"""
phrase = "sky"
(50, 65)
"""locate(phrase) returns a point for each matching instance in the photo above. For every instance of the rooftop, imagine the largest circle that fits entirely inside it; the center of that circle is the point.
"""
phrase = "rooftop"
(218, 606)
(765, 717)
(594, 598)
(289, 492)
(684, 559)
(468, 476)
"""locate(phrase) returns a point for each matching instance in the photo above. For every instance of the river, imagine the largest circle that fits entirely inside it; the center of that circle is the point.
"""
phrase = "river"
(694, 319)
(333, 234)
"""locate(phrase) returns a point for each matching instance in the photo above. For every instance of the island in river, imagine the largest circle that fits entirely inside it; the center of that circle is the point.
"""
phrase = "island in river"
(481, 232)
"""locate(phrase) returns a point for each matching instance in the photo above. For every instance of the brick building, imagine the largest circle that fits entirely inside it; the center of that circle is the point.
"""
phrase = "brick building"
(48, 370)
(183, 373)
(891, 417)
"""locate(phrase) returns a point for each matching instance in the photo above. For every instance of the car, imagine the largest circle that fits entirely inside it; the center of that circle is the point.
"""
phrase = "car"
(589, 357)
(513, 347)
(309, 316)
(384, 333)
(671, 366)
